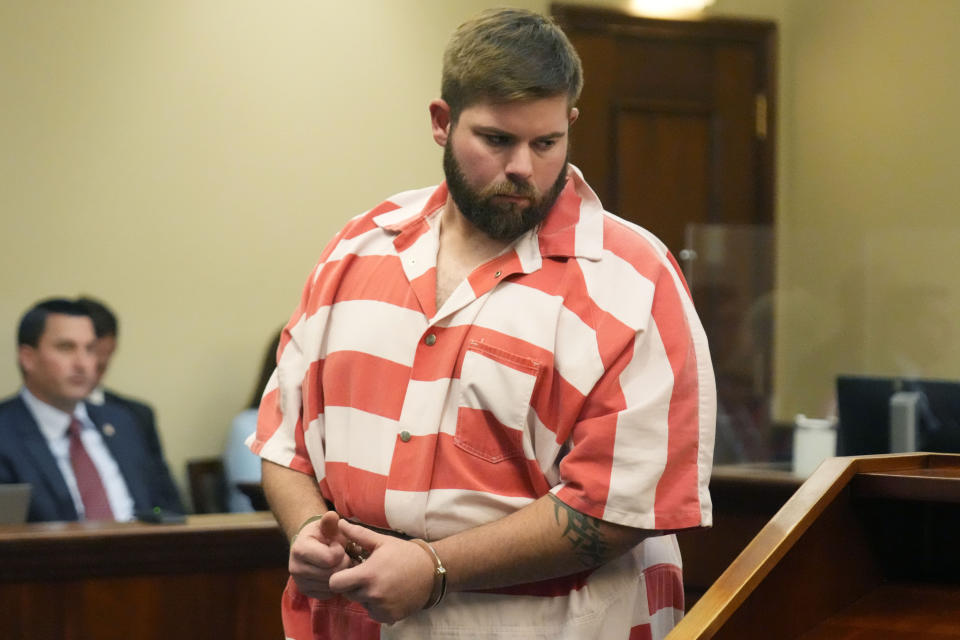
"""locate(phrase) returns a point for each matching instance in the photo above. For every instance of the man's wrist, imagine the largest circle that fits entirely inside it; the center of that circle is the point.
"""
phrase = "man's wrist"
(439, 589)
(313, 518)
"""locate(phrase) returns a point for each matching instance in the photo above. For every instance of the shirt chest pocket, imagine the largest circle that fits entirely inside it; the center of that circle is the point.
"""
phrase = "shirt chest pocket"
(495, 391)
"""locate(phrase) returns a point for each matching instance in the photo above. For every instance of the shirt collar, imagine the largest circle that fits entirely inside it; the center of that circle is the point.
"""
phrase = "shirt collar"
(53, 422)
(572, 229)
(97, 396)
(406, 210)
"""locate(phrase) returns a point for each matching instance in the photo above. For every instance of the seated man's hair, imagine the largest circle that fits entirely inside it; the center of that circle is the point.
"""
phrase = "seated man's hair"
(104, 320)
(34, 321)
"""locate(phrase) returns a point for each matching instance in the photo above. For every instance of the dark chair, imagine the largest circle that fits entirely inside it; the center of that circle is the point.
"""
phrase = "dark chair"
(254, 491)
(208, 485)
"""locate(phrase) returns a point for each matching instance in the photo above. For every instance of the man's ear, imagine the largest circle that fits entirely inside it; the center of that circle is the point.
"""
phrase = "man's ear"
(440, 121)
(26, 358)
(574, 114)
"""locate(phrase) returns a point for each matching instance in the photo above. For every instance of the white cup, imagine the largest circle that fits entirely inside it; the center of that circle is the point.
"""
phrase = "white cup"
(814, 440)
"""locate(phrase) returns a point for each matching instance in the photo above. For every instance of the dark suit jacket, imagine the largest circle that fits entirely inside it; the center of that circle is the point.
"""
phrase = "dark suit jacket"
(25, 457)
(148, 426)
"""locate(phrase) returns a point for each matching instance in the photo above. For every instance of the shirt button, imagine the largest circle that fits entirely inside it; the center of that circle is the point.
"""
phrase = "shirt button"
(431, 340)
(405, 435)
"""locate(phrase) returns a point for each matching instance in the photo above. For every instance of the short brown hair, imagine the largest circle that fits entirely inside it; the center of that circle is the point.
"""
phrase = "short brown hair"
(503, 55)
(34, 321)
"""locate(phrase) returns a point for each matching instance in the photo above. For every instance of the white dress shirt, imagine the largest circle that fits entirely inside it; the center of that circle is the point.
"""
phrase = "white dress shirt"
(53, 425)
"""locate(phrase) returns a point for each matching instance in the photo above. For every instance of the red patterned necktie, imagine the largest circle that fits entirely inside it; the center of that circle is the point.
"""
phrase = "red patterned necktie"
(94, 496)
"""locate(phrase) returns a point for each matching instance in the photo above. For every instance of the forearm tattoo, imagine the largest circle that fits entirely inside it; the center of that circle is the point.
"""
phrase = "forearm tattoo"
(583, 532)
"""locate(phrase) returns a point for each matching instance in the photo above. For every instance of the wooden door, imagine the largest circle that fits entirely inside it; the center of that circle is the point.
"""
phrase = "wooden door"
(676, 118)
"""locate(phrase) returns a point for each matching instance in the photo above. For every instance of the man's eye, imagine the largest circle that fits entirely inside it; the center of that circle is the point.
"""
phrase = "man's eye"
(497, 141)
(545, 145)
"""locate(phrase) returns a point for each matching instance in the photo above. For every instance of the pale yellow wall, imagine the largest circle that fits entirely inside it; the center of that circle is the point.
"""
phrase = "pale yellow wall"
(186, 161)
(870, 239)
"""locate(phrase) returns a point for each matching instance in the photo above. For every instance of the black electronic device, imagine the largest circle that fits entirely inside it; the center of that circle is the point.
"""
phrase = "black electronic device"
(161, 516)
(864, 415)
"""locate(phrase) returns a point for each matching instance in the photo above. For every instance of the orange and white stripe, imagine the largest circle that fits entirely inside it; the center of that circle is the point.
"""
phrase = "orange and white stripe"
(573, 363)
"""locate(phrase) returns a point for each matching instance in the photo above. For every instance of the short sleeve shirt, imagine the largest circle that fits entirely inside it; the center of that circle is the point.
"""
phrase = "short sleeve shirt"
(572, 363)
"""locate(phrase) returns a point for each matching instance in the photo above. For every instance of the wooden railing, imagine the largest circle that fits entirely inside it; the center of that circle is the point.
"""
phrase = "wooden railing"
(866, 548)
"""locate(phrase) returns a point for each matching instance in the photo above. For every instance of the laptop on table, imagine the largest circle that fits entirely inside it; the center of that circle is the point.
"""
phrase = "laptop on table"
(14, 500)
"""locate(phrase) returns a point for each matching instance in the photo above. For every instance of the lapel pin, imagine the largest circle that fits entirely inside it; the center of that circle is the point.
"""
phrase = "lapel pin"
(108, 430)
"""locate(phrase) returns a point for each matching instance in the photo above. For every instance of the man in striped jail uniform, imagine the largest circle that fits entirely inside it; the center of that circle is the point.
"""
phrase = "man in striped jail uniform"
(494, 403)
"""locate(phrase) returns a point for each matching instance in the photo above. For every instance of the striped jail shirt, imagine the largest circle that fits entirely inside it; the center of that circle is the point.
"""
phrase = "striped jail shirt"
(573, 363)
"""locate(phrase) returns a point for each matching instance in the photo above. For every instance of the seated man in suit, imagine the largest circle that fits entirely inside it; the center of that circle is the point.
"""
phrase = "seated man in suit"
(106, 327)
(84, 462)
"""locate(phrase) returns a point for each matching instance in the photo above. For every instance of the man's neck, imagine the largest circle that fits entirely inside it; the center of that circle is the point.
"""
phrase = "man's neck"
(61, 404)
(462, 249)
(463, 236)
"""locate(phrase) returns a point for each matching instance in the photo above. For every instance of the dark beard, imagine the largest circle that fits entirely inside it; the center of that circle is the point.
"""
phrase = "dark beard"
(499, 220)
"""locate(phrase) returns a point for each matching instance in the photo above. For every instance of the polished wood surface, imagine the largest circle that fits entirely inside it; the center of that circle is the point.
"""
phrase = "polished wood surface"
(911, 611)
(213, 576)
(939, 484)
(834, 560)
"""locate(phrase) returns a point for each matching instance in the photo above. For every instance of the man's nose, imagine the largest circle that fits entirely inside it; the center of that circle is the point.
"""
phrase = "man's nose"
(85, 362)
(520, 164)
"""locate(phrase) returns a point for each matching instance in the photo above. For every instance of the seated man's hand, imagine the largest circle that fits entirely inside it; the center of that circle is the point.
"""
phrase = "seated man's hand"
(394, 581)
(317, 553)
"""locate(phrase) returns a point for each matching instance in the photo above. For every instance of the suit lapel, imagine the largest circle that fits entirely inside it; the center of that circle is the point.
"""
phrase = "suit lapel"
(36, 448)
(118, 434)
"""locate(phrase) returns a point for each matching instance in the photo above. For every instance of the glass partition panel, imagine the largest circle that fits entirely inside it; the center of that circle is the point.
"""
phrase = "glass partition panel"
(880, 304)
(730, 271)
